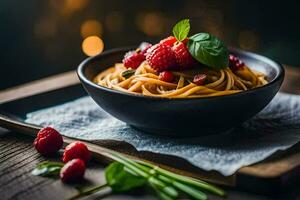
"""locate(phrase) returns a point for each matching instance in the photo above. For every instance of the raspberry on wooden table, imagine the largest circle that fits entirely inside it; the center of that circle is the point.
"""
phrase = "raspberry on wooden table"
(48, 141)
(76, 150)
(72, 171)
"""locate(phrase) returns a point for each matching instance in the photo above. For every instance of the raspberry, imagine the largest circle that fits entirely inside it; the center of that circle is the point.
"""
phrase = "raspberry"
(48, 141)
(183, 56)
(73, 171)
(185, 41)
(199, 79)
(166, 76)
(144, 46)
(169, 41)
(133, 59)
(235, 63)
(76, 150)
(161, 57)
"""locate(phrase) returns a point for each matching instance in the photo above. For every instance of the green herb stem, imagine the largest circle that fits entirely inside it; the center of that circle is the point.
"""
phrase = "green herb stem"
(130, 171)
(144, 172)
(190, 191)
(197, 194)
(152, 169)
(159, 182)
(171, 191)
(126, 162)
(161, 194)
(187, 180)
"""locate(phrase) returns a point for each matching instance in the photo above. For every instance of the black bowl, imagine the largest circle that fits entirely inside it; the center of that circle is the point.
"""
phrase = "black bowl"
(181, 117)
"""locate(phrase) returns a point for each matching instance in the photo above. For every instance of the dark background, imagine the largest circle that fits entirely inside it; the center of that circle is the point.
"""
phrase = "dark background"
(39, 38)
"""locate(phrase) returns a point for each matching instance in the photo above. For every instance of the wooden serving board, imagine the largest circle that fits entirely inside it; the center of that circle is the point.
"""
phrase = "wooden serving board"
(278, 171)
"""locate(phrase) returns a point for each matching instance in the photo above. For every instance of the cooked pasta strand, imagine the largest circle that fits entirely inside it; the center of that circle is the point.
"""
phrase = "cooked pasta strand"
(146, 81)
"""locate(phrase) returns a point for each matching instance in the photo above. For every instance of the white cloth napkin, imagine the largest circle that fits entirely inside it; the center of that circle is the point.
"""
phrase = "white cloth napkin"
(277, 127)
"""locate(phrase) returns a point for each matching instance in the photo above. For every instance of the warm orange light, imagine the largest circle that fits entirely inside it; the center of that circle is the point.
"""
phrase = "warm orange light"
(153, 23)
(92, 45)
(91, 27)
(71, 6)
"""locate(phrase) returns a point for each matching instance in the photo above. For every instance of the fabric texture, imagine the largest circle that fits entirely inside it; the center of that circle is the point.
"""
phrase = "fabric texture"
(277, 127)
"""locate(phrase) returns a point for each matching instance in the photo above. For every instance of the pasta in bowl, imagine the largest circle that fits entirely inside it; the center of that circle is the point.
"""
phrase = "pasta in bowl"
(146, 81)
(181, 117)
(182, 86)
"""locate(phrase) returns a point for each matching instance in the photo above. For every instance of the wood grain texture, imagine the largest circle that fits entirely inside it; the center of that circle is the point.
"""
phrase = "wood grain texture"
(18, 158)
(291, 83)
(38, 86)
(274, 167)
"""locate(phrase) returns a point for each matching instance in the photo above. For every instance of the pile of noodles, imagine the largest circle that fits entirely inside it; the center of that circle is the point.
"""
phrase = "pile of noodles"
(146, 81)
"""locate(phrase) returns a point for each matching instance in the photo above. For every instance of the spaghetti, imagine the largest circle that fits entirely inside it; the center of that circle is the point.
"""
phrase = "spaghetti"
(145, 81)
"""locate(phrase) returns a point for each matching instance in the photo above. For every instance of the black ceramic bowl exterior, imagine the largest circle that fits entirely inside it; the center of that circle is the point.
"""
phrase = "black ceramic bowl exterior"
(181, 117)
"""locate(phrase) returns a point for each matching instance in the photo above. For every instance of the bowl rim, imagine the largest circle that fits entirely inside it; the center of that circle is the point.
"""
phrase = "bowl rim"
(82, 66)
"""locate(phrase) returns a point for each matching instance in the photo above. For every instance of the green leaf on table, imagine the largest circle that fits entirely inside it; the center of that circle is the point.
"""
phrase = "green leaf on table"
(181, 29)
(120, 179)
(49, 169)
(208, 50)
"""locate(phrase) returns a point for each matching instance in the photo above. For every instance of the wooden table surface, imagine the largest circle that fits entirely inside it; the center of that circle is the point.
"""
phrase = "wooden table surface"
(18, 158)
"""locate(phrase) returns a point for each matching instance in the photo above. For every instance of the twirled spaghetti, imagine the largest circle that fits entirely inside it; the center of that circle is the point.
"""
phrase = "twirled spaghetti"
(146, 81)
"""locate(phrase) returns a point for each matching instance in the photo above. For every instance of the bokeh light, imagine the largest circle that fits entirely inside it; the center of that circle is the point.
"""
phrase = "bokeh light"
(91, 27)
(92, 45)
(71, 6)
(152, 24)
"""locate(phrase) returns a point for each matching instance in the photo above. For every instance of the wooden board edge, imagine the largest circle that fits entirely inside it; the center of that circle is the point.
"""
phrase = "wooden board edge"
(39, 86)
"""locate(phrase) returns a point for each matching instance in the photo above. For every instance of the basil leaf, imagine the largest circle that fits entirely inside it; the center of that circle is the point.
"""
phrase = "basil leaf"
(128, 73)
(181, 29)
(208, 50)
(49, 169)
(121, 180)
